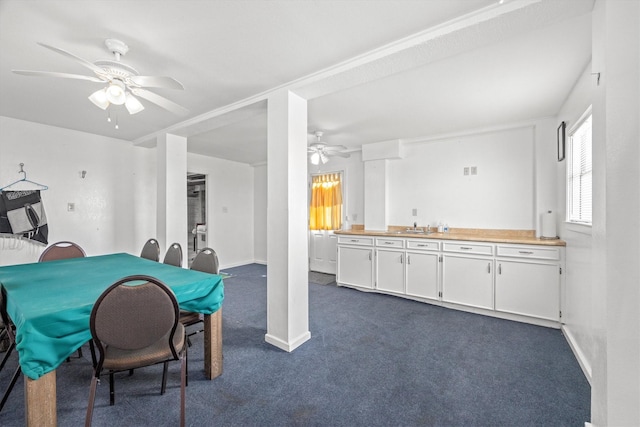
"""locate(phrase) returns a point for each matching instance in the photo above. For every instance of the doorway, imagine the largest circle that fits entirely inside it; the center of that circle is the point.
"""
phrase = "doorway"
(196, 214)
(325, 216)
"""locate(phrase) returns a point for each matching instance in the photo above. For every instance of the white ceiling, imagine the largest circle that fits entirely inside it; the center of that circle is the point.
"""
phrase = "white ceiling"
(372, 70)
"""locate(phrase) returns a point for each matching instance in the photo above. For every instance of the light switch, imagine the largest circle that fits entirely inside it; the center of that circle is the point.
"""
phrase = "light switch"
(466, 170)
(414, 212)
(474, 170)
(71, 207)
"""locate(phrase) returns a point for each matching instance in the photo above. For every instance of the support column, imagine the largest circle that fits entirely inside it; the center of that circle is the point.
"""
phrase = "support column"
(171, 223)
(287, 247)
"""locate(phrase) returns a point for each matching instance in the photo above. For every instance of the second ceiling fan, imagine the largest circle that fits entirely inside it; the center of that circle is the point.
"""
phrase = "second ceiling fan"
(320, 152)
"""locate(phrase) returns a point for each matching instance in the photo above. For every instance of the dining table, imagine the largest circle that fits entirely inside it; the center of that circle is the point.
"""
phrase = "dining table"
(50, 305)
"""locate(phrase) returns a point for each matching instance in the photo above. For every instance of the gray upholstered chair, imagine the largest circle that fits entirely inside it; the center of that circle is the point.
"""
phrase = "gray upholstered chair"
(206, 261)
(173, 255)
(7, 333)
(133, 326)
(151, 250)
(62, 250)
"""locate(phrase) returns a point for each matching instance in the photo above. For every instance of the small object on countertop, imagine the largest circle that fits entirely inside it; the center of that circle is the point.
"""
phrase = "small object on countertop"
(440, 227)
(446, 228)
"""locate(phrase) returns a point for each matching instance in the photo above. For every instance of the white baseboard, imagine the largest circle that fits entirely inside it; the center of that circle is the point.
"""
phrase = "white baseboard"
(287, 346)
(585, 365)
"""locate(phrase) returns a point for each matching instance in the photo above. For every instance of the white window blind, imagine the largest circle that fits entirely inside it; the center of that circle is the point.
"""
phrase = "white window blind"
(580, 173)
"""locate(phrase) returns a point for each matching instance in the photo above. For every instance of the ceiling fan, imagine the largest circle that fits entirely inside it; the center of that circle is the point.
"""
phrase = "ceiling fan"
(320, 152)
(122, 81)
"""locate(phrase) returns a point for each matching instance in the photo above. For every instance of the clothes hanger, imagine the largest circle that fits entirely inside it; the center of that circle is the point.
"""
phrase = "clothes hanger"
(24, 179)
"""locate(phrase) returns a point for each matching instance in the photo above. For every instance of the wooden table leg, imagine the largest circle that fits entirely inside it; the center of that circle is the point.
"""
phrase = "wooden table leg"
(213, 344)
(40, 401)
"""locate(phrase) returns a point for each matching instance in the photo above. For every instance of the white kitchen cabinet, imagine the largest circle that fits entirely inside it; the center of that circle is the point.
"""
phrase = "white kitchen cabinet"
(528, 283)
(421, 278)
(467, 280)
(355, 266)
(390, 270)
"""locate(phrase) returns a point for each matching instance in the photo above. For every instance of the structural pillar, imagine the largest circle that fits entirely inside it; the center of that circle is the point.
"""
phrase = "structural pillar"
(171, 225)
(287, 246)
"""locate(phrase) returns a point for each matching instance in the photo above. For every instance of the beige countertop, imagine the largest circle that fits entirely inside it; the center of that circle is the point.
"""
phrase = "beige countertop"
(526, 237)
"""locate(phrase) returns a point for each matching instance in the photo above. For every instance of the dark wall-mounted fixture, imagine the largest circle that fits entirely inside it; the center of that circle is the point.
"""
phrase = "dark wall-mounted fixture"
(561, 140)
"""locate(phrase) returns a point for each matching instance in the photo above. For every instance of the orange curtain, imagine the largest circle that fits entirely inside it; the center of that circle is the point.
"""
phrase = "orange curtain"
(325, 212)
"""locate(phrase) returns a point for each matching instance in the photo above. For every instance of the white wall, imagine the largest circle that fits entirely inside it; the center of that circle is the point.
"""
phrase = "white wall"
(105, 218)
(577, 309)
(260, 214)
(430, 179)
(230, 207)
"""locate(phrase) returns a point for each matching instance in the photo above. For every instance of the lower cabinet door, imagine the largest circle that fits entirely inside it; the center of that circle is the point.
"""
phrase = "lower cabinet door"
(529, 289)
(422, 275)
(468, 281)
(355, 266)
(390, 271)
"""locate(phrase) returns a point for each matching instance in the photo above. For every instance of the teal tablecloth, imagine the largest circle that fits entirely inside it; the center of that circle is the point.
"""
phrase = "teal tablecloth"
(50, 302)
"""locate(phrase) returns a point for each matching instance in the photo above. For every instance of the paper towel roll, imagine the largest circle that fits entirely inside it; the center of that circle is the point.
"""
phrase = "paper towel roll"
(549, 225)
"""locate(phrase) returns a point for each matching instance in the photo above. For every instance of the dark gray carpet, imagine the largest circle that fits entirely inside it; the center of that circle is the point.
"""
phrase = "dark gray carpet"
(373, 360)
(321, 278)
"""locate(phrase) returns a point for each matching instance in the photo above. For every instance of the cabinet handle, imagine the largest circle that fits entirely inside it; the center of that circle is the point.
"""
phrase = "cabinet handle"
(420, 245)
(489, 268)
(369, 256)
(408, 259)
(400, 258)
(465, 248)
(499, 268)
(388, 243)
(525, 252)
(354, 240)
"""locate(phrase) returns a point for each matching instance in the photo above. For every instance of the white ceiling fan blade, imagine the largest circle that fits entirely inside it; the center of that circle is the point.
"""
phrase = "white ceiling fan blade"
(56, 74)
(337, 153)
(157, 81)
(93, 67)
(334, 147)
(160, 101)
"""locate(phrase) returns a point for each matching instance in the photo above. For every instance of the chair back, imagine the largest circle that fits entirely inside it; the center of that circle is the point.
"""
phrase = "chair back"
(206, 261)
(62, 250)
(174, 255)
(151, 250)
(131, 316)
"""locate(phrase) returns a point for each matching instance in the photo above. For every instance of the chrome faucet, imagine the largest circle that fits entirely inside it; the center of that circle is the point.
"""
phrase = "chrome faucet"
(415, 225)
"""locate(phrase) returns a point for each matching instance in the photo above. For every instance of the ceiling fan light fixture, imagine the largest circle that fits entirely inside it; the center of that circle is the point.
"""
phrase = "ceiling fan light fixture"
(323, 158)
(133, 105)
(116, 92)
(99, 98)
(315, 158)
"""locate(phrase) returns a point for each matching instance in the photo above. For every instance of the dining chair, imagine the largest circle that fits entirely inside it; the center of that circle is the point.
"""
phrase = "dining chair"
(151, 250)
(133, 327)
(206, 261)
(173, 255)
(62, 250)
(8, 334)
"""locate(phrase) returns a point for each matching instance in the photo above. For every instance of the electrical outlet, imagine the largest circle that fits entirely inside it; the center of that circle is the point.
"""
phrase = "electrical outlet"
(466, 170)
(225, 209)
(414, 212)
(71, 207)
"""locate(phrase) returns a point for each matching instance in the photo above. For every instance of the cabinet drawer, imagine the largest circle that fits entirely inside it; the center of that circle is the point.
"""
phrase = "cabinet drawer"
(468, 248)
(423, 245)
(528, 252)
(353, 240)
(390, 243)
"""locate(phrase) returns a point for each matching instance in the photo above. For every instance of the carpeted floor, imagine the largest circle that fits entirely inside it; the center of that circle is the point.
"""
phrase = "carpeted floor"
(372, 360)
(321, 278)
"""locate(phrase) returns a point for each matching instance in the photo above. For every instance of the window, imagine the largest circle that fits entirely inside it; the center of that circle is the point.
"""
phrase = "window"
(325, 211)
(580, 172)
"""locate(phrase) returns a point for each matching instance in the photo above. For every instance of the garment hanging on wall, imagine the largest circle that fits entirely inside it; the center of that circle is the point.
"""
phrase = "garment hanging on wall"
(22, 213)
